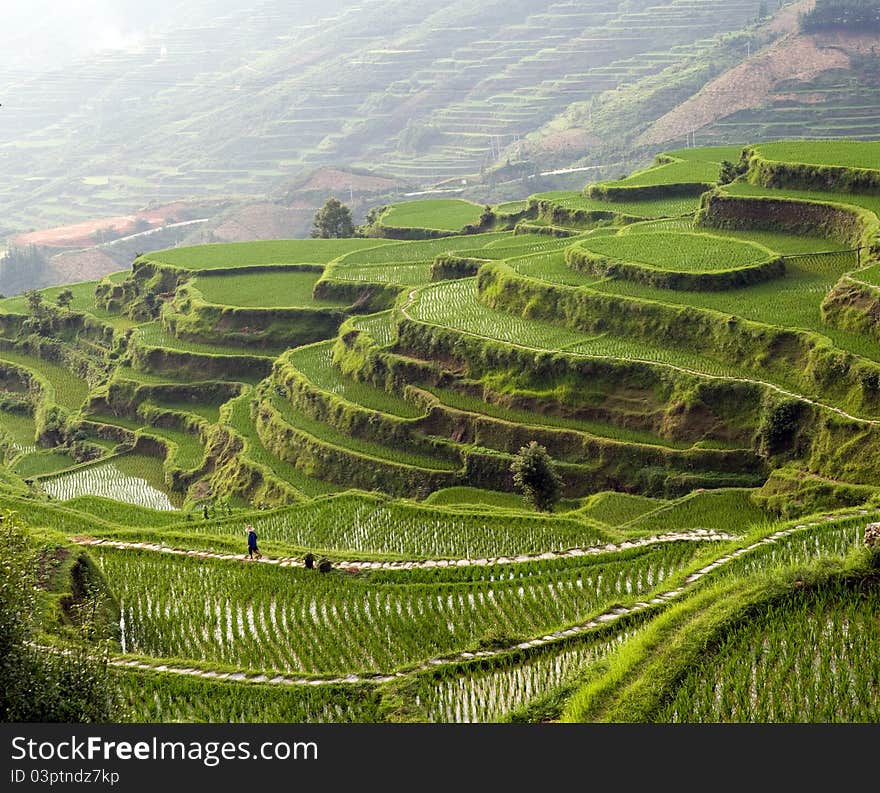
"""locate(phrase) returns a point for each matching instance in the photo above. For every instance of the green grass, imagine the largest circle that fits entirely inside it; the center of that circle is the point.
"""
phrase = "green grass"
(264, 290)
(729, 509)
(122, 513)
(475, 496)
(683, 252)
(190, 450)
(69, 390)
(206, 410)
(41, 463)
(315, 362)
(474, 404)
(19, 427)
(614, 508)
(327, 434)
(445, 214)
(852, 154)
(248, 254)
(240, 420)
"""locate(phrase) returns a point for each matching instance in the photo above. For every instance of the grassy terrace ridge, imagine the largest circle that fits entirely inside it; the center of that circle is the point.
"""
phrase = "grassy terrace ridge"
(868, 202)
(328, 435)
(473, 404)
(680, 251)
(224, 255)
(455, 305)
(656, 208)
(69, 390)
(239, 418)
(316, 363)
(445, 214)
(153, 334)
(843, 153)
(792, 301)
(274, 289)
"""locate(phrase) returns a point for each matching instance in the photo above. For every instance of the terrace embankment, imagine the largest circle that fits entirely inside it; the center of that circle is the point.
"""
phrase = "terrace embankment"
(803, 359)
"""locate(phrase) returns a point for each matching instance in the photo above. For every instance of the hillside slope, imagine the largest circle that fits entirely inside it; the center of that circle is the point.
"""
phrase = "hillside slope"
(235, 103)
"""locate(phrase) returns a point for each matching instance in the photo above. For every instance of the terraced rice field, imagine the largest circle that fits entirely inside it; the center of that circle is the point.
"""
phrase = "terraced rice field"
(315, 362)
(810, 659)
(290, 287)
(449, 598)
(657, 208)
(134, 479)
(286, 620)
(670, 250)
(219, 256)
(847, 154)
(450, 214)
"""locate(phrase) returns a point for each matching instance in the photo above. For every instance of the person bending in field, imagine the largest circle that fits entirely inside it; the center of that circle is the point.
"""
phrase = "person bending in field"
(253, 551)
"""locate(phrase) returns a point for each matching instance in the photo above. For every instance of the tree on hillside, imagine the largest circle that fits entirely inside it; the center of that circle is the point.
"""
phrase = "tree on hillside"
(535, 476)
(64, 299)
(729, 171)
(36, 306)
(333, 220)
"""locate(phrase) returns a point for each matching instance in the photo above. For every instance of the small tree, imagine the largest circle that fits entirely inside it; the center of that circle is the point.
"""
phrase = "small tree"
(333, 220)
(729, 171)
(35, 303)
(535, 476)
(64, 299)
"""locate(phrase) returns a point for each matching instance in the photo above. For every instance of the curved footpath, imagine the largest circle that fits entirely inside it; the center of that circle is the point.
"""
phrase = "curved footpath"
(604, 618)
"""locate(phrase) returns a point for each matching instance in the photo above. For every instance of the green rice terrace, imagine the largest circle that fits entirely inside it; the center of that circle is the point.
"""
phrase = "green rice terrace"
(699, 358)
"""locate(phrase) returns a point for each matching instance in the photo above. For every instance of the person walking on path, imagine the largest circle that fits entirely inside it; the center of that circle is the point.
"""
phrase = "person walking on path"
(252, 543)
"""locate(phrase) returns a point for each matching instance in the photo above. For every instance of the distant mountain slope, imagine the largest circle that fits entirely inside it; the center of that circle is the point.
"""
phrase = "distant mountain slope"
(768, 81)
(235, 102)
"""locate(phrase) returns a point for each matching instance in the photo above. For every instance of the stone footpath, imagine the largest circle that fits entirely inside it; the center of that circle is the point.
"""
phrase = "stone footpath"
(602, 619)
(355, 566)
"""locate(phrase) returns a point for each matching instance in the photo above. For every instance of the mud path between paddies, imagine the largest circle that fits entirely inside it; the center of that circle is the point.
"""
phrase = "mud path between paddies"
(610, 616)
(729, 378)
(356, 565)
